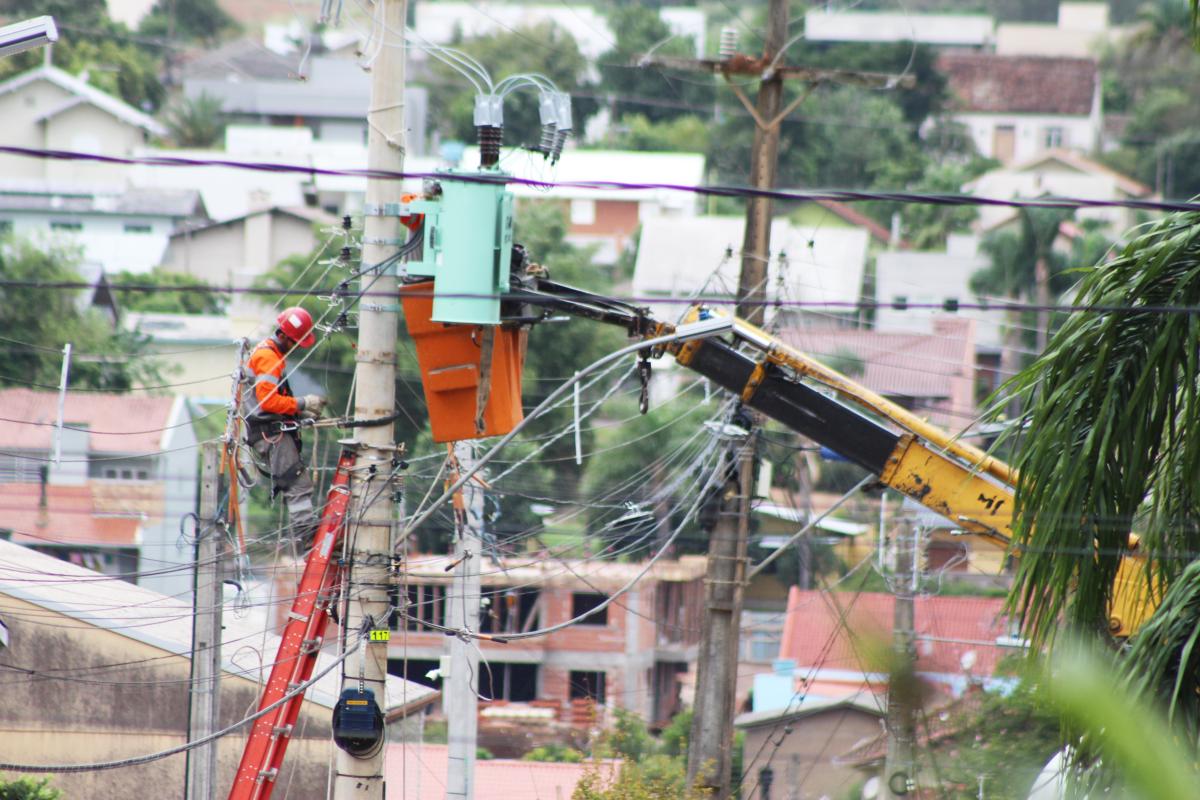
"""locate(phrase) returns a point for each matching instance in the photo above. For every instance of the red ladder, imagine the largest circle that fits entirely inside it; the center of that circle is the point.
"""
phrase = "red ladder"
(297, 656)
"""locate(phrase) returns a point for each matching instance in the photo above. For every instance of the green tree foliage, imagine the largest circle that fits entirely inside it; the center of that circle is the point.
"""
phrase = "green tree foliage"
(184, 300)
(195, 121)
(544, 49)
(928, 93)
(840, 138)
(1006, 737)
(656, 93)
(28, 789)
(47, 319)
(90, 41)
(648, 769)
(1153, 76)
(189, 20)
(687, 133)
(554, 752)
(651, 448)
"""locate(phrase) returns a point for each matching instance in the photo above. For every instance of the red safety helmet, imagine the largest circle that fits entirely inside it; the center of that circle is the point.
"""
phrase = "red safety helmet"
(297, 325)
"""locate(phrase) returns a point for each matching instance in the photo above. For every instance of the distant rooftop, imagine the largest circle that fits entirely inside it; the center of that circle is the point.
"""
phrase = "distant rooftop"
(86, 93)
(117, 423)
(987, 83)
(28, 195)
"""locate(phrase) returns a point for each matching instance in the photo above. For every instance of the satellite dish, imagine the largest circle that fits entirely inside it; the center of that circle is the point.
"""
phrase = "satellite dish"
(968, 660)
(870, 789)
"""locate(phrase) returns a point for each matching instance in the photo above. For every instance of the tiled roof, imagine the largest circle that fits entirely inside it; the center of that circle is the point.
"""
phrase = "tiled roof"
(117, 423)
(988, 83)
(122, 201)
(418, 772)
(917, 365)
(77, 515)
(813, 635)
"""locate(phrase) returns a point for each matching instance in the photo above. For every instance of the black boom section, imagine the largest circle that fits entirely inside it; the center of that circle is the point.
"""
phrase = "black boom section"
(800, 407)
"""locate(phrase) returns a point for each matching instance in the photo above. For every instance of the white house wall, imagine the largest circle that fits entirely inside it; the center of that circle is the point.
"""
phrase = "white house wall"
(1079, 133)
(88, 129)
(103, 239)
(18, 109)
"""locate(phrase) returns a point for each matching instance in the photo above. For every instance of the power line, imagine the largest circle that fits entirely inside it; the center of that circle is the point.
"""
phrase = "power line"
(715, 190)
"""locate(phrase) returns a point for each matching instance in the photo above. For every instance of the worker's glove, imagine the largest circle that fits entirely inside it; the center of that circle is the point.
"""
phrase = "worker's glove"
(311, 406)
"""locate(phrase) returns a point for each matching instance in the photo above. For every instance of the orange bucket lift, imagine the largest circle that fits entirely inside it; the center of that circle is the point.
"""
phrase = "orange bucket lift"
(471, 374)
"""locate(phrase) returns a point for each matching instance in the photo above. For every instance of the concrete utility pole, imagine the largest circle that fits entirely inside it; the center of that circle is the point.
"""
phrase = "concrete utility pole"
(462, 613)
(375, 395)
(206, 631)
(712, 729)
(898, 773)
(710, 745)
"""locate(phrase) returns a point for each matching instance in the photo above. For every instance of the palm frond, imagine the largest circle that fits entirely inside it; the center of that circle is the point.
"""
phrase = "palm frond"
(1111, 433)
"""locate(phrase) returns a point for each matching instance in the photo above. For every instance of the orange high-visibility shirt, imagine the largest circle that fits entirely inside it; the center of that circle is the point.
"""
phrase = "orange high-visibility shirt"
(270, 388)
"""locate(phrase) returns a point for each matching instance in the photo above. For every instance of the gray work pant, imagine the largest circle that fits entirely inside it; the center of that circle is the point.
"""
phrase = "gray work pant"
(290, 477)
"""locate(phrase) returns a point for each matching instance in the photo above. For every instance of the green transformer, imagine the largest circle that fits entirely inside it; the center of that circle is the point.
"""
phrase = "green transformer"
(468, 234)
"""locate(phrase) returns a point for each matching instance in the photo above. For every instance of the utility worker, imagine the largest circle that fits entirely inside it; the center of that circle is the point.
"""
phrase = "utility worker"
(277, 444)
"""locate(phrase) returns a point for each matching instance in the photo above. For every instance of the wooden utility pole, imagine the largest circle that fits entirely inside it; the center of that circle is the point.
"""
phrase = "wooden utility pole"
(462, 614)
(711, 738)
(375, 395)
(207, 598)
(899, 778)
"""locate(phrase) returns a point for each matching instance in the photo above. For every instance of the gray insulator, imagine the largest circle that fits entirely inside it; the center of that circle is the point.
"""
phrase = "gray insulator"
(549, 134)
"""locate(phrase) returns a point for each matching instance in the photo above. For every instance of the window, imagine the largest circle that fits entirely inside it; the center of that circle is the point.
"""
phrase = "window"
(132, 227)
(6, 226)
(585, 603)
(508, 610)
(583, 212)
(516, 683)
(416, 670)
(66, 225)
(1054, 136)
(586, 686)
(900, 302)
(425, 604)
(18, 469)
(762, 632)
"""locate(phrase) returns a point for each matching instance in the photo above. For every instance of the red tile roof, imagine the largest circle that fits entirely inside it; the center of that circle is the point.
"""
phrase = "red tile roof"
(120, 423)
(418, 772)
(813, 635)
(74, 515)
(856, 217)
(920, 365)
(988, 83)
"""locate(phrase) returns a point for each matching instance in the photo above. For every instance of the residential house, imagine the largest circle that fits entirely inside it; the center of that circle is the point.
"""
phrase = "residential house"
(815, 269)
(1017, 107)
(800, 745)
(418, 772)
(328, 95)
(236, 252)
(49, 109)
(599, 195)
(959, 642)
(116, 228)
(202, 349)
(1082, 30)
(914, 290)
(964, 31)
(232, 192)
(628, 655)
(931, 374)
(1064, 173)
(114, 499)
(133, 648)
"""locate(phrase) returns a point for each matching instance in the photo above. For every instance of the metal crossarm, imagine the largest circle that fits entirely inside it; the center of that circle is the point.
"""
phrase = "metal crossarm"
(298, 651)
